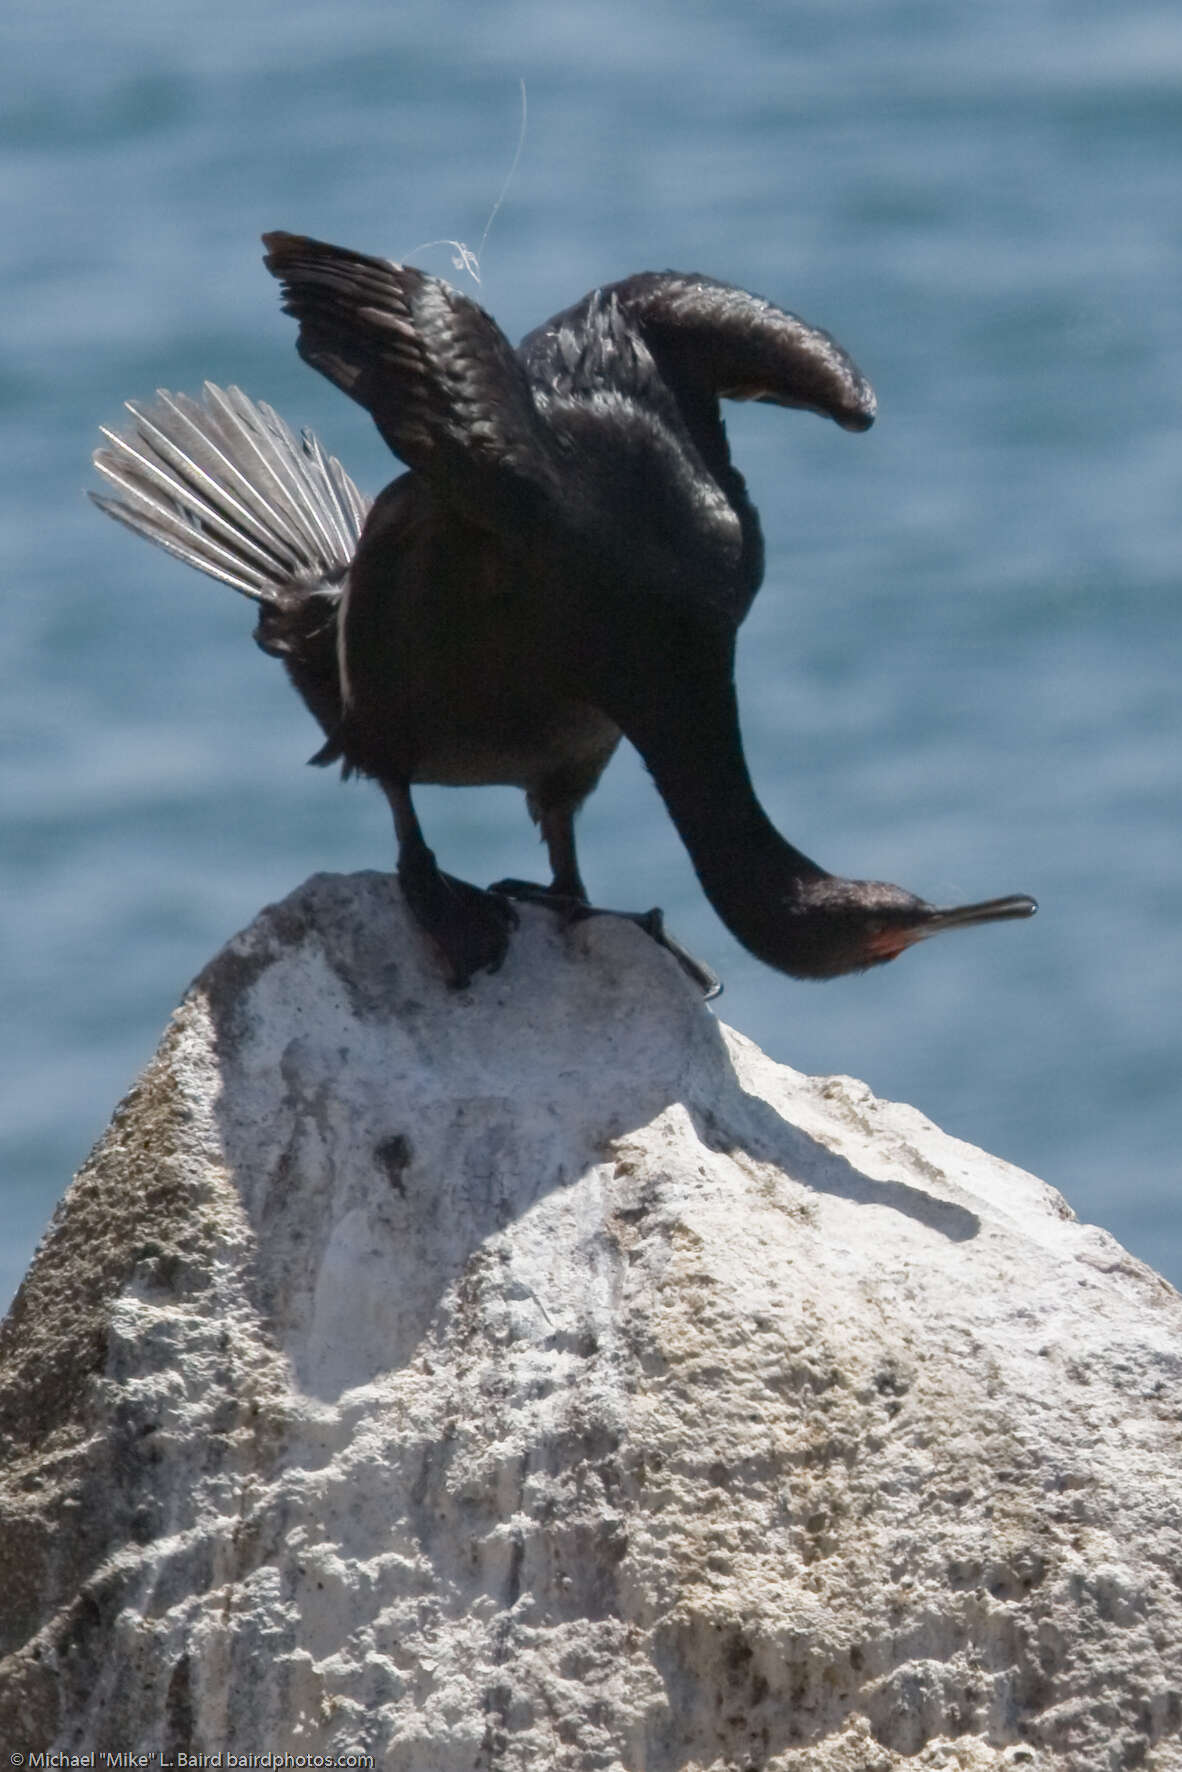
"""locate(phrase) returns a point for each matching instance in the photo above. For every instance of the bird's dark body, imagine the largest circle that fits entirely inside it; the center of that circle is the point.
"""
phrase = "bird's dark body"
(568, 558)
(449, 680)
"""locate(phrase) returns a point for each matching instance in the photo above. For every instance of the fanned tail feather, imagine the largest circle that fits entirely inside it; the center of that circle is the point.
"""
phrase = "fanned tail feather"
(225, 485)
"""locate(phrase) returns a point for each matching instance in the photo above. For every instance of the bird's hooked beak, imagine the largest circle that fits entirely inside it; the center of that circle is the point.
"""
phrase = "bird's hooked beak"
(961, 916)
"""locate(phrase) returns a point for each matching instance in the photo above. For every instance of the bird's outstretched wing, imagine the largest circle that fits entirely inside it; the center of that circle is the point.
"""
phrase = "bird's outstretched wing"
(441, 381)
(723, 342)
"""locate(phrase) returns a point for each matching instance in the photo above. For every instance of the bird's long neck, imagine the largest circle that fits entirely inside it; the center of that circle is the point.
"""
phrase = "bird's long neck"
(671, 691)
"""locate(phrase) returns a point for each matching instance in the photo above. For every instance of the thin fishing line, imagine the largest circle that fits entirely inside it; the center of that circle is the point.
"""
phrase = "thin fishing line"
(464, 259)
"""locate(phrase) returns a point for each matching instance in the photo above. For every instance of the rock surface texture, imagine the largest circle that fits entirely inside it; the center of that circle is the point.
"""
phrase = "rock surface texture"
(539, 1377)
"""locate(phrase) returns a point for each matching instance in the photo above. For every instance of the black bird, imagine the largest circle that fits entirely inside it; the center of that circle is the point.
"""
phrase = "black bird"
(568, 559)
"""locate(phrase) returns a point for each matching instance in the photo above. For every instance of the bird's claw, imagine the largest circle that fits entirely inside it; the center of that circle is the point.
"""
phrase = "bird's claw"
(707, 980)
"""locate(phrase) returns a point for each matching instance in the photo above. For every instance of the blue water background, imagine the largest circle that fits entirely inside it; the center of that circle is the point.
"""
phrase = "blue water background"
(962, 672)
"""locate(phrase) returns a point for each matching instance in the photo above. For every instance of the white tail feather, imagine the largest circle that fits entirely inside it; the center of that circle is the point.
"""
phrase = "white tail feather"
(225, 485)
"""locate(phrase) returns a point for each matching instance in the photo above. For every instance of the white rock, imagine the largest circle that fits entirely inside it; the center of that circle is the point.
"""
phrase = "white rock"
(539, 1377)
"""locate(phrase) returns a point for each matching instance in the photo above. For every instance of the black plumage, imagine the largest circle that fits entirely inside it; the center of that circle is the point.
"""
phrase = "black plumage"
(568, 558)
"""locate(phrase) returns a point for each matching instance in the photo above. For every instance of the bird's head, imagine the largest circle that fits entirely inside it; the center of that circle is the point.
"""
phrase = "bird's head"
(838, 926)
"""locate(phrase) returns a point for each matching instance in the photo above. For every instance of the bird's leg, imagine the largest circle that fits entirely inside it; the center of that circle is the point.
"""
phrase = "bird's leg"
(566, 893)
(470, 927)
(558, 834)
(567, 896)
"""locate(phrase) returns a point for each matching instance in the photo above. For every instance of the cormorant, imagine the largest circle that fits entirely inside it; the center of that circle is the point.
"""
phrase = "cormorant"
(568, 559)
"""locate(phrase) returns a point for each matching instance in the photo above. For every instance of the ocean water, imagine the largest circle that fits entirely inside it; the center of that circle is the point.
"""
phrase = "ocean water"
(962, 670)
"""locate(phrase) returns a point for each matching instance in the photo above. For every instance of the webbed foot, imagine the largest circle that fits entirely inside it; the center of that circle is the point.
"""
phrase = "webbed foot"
(469, 926)
(573, 910)
(564, 904)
